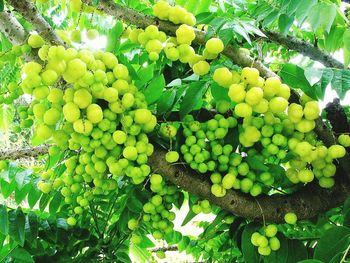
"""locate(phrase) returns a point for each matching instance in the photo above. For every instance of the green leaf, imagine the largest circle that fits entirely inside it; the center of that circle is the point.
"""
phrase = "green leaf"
(145, 74)
(333, 241)
(346, 39)
(319, 78)
(256, 164)
(298, 249)
(190, 215)
(1, 5)
(33, 197)
(341, 82)
(166, 101)
(193, 95)
(311, 261)
(7, 188)
(21, 194)
(21, 255)
(294, 77)
(219, 93)
(113, 37)
(272, 17)
(303, 10)
(155, 89)
(284, 23)
(23, 177)
(55, 203)
(31, 228)
(4, 227)
(17, 225)
(250, 253)
(322, 16)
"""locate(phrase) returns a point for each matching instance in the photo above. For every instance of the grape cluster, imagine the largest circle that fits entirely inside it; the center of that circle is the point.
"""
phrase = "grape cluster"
(266, 240)
(100, 115)
(157, 212)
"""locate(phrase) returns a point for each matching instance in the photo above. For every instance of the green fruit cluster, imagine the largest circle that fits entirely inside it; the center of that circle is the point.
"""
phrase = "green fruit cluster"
(179, 47)
(266, 240)
(157, 214)
(101, 114)
(175, 14)
(201, 207)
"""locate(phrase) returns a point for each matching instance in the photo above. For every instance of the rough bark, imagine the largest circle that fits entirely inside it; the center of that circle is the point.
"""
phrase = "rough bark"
(15, 32)
(306, 203)
(11, 28)
(15, 154)
(305, 48)
(29, 11)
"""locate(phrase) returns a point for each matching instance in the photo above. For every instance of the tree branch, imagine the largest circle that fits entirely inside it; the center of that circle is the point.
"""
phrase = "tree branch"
(15, 154)
(164, 249)
(306, 203)
(28, 10)
(11, 28)
(304, 48)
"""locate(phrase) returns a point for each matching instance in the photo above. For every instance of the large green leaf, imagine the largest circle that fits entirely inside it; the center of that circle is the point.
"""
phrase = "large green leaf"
(166, 101)
(250, 253)
(21, 255)
(333, 241)
(193, 96)
(17, 225)
(341, 82)
(155, 89)
(294, 76)
(284, 23)
(3, 220)
(113, 38)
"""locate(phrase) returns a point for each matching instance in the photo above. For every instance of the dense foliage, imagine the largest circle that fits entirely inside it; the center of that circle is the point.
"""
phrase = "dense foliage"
(104, 104)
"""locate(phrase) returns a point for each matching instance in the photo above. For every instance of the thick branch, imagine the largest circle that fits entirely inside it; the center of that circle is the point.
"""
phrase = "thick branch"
(304, 48)
(23, 153)
(14, 32)
(164, 249)
(306, 203)
(11, 28)
(28, 10)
